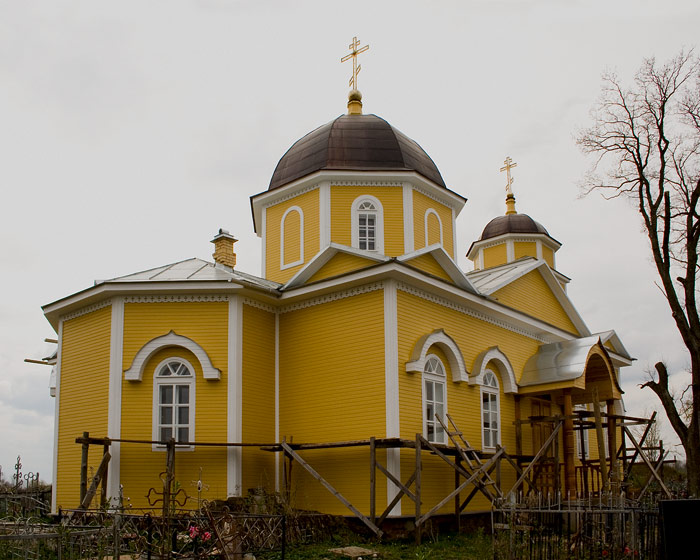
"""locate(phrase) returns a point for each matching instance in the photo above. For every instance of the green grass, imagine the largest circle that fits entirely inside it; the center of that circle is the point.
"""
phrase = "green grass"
(473, 546)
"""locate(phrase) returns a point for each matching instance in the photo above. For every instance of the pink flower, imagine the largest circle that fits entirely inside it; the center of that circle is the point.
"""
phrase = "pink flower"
(207, 536)
(194, 531)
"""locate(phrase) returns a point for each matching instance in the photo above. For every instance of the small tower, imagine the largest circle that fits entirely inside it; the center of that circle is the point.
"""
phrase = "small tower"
(513, 236)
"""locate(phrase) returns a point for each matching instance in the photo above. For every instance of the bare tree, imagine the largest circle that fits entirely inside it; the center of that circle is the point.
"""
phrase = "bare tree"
(647, 143)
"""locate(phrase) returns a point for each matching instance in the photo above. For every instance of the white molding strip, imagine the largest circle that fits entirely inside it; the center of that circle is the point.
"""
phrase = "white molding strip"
(258, 305)
(138, 364)
(114, 415)
(86, 310)
(408, 235)
(292, 194)
(263, 245)
(353, 183)
(391, 383)
(324, 195)
(54, 505)
(234, 456)
(333, 297)
(466, 311)
(454, 236)
(162, 298)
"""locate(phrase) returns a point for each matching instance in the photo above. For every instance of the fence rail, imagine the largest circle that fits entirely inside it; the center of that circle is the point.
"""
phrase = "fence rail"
(551, 529)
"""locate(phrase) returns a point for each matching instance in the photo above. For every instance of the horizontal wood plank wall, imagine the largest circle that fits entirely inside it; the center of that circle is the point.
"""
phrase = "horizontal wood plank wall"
(391, 198)
(341, 263)
(258, 397)
(332, 389)
(417, 317)
(421, 204)
(532, 295)
(496, 255)
(207, 324)
(427, 263)
(84, 393)
(548, 256)
(309, 203)
(524, 249)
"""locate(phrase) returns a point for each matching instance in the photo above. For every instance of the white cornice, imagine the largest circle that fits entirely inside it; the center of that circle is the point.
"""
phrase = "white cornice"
(86, 310)
(333, 297)
(162, 298)
(259, 305)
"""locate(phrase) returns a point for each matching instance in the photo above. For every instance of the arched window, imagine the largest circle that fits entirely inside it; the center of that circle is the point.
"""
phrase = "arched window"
(433, 228)
(174, 396)
(434, 399)
(489, 411)
(292, 238)
(368, 224)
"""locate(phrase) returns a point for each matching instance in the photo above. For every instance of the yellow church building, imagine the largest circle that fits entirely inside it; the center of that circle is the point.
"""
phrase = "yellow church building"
(362, 326)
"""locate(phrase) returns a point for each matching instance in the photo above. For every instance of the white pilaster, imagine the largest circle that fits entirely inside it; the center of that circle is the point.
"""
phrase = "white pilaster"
(324, 194)
(391, 383)
(277, 399)
(408, 241)
(235, 395)
(263, 233)
(114, 415)
(510, 251)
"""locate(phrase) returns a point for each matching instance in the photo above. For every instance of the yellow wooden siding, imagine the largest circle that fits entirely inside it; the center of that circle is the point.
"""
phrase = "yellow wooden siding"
(524, 249)
(207, 324)
(83, 398)
(342, 198)
(292, 237)
(532, 295)
(421, 204)
(494, 256)
(427, 263)
(332, 379)
(548, 256)
(309, 203)
(417, 317)
(341, 263)
(258, 397)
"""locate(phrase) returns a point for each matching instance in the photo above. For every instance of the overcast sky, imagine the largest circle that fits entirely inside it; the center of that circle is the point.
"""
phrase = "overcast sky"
(130, 131)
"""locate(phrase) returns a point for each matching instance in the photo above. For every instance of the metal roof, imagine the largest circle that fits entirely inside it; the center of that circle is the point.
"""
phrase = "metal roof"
(196, 270)
(493, 279)
(354, 142)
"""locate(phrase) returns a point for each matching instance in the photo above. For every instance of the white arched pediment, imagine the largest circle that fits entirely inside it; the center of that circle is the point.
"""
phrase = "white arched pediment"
(447, 345)
(503, 366)
(135, 372)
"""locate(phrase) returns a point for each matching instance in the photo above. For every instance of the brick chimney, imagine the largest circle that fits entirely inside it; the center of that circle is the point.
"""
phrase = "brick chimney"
(223, 249)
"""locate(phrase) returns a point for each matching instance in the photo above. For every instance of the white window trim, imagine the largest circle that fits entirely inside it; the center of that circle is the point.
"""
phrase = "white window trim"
(493, 391)
(435, 378)
(300, 260)
(135, 372)
(157, 382)
(428, 212)
(447, 345)
(355, 237)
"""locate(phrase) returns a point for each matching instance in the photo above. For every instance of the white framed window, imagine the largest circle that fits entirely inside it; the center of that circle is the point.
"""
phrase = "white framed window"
(582, 449)
(368, 224)
(173, 401)
(431, 216)
(490, 416)
(287, 253)
(434, 399)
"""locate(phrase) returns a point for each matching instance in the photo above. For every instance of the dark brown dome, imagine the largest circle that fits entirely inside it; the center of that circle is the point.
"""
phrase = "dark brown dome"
(512, 223)
(354, 143)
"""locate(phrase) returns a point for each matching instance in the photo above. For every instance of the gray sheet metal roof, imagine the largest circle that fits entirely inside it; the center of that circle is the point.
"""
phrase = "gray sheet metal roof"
(354, 142)
(491, 280)
(196, 270)
(558, 361)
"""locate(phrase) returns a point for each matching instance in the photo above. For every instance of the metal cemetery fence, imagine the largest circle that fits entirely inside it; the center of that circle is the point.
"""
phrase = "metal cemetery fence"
(100, 535)
(552, 529)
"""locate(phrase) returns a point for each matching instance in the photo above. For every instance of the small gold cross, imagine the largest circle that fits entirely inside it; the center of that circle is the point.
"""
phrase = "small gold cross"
(508, 166)
(355, 66)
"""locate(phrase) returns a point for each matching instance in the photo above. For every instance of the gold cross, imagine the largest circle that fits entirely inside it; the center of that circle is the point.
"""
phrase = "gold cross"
(355, 66)
(508, 166)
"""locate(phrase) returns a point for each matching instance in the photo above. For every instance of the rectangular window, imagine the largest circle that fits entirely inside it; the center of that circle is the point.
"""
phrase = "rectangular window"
(367, 231)
(174, 417)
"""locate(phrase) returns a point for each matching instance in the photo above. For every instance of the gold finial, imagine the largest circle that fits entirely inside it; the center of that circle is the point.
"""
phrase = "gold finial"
(354, 51)
(510, 199)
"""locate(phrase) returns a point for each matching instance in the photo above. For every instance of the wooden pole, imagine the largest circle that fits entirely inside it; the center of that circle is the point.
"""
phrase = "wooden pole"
(601, 441)
(103, 488)
(84, 466)
(569, 468)
(169, 476)
(418, 486)
(612, 445)
(372, 480)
